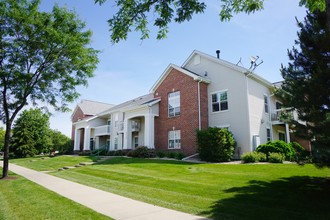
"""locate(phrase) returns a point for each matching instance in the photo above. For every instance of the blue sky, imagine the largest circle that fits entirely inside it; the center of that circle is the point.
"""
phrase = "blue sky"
(129, 69)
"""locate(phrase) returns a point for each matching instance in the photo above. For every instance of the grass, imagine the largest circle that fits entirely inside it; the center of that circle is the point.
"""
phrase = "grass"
(23, 199)
(46, 163)
(219, 191)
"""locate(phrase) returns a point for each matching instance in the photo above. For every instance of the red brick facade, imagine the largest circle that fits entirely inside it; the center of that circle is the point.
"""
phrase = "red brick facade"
(187, 122)
(78, 115)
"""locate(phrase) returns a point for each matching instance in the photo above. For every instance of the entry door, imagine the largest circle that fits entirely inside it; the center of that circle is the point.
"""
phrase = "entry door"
(135, 141)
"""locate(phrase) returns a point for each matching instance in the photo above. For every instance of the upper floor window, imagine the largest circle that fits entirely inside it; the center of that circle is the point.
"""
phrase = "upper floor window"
(219, 101)
(174, 104)
(278, 105)
(266, 103)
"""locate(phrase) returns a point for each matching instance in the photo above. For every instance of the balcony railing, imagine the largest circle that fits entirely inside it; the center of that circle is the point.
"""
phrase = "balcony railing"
(283, 115)
(136, 125)
(102, 130)
(119, 125)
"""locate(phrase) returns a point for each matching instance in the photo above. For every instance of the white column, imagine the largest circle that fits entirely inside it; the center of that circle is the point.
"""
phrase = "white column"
(87, 138)
(126, 134)
(76, 140)
(97, 142)
(287, 133)
(149, 126)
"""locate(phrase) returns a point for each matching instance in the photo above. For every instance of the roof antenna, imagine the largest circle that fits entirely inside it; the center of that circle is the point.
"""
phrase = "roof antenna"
(254, 63)
(218, 53)
(240, 62)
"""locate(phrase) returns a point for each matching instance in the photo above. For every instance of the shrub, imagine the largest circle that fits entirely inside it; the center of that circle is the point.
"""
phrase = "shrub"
(171, 154)
(141, 152)
(300, 152)
(215, 144)
(160, 154)
(179, 156)
(276, 158)
(252, 157)
(277, 147)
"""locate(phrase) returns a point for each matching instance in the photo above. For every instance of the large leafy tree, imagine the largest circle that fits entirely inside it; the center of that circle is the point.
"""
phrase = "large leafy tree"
(306, 85)
(60, 142)
(43, 57)
(2, 137)
(31, 134)
(136, 14)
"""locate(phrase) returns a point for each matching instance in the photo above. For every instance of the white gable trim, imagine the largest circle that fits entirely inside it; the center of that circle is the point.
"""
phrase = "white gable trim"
(169, 69)
(227, 64)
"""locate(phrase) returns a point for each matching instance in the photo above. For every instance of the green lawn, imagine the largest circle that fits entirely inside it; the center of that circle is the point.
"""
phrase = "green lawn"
(51, 163)
(23, 199)
(219, 191)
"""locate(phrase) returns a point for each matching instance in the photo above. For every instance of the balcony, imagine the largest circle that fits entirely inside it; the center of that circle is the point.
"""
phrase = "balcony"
(102, 130)
(119, 125)
(282, 116)
(136, 126)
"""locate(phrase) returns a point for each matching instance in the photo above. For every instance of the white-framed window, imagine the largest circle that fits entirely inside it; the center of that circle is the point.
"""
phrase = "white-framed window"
(136, 141)
(220, 101)
(281, 136)
(266, 102)
(116, 143)
(174, 104)
(174, 139)
(269, 136)
(278, 105)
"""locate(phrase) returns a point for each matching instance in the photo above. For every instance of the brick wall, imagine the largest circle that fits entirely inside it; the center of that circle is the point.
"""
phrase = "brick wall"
(76, 117)
(187, 122)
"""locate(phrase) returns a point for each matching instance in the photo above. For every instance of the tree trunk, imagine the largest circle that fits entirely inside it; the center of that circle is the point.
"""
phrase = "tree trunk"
(6, 151)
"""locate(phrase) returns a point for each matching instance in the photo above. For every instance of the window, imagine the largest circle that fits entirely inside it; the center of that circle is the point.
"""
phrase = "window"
(281, 136)
(266, 103)
(136, 141)
(278, 105)
(269, 138)
(174, 104)
(116, 143)
(174, 139)
(219, 101)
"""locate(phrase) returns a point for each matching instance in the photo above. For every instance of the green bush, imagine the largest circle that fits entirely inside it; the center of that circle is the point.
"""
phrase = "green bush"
(160, 154)
(215, 144)
(278, 147)
(300, 153)
(142, 152)
(179, 156)
(171, 154)
(253, 157)
(276, 158)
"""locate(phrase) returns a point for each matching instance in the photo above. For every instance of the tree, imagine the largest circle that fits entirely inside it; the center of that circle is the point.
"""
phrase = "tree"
(306, 85)
(31, 134)
(2, 138)
(43, 57)
(133, 15)
(60, 142)
(216, 144)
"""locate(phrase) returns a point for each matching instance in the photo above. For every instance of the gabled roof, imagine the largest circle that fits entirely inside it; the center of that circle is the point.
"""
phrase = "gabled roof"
(227, 64)
(89, 107)
(169, 68)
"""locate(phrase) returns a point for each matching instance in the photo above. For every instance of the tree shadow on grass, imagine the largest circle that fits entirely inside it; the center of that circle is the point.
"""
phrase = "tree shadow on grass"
(298, 197)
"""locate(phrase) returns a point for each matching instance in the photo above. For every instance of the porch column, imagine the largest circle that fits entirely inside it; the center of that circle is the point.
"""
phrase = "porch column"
(287, 133)
(76, 140)
(97, 142)
(126, 135)
(149, 126)
(87, 138)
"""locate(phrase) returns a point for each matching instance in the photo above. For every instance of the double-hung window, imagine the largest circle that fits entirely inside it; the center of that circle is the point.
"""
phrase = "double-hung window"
(266, 103)
(219, 101)
(174, 104)
(174, 139)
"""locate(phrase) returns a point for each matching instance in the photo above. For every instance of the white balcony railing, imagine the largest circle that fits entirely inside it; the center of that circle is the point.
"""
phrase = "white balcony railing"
(136, 125)
(102, 130)
(283, 115)
(119, 125)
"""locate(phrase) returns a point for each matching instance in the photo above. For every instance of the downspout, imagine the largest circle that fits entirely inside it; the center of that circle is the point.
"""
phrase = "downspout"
(199, 104)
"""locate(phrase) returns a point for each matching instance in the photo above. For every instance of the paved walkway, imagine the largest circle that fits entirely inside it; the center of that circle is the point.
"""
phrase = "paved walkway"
(109, 204)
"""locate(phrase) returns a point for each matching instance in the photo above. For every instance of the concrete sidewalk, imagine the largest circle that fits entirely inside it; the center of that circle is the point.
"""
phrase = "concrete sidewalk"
(109, 204)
